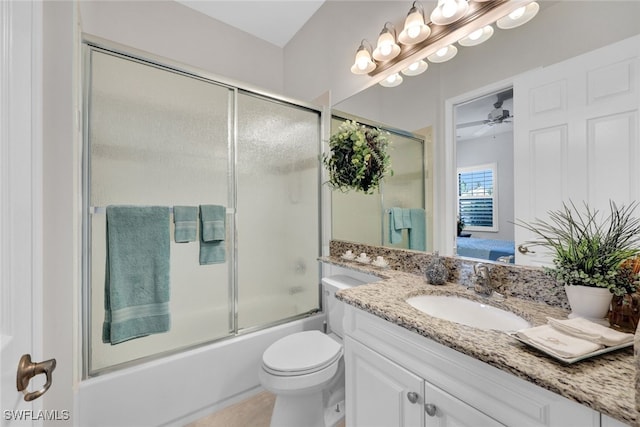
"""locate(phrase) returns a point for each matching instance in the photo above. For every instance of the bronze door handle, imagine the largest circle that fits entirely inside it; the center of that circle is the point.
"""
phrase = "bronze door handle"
(28, 369)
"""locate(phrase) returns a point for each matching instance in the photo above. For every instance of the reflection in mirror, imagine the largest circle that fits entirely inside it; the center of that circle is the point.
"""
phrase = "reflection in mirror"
(428, 100)
(484, 162)
(369, 218)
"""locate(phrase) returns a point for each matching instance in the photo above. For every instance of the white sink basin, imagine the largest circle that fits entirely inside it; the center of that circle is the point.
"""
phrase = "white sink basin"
(467, 312)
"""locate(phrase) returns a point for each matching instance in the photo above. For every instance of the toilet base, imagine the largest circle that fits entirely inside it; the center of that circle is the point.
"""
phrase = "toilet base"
(334, 414)
(308, 410)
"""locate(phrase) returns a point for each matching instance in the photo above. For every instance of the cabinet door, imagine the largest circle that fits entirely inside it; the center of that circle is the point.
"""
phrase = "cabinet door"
(444, 410)
(379, 392)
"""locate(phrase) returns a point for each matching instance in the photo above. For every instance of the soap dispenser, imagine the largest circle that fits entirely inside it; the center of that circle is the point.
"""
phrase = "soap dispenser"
(436, 272)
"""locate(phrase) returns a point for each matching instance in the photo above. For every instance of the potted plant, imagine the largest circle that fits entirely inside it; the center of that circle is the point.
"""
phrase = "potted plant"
(625, 309)
(358, 158)
(589, 252)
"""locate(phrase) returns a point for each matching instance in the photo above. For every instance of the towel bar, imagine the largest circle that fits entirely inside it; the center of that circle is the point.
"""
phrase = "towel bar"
(101, 210)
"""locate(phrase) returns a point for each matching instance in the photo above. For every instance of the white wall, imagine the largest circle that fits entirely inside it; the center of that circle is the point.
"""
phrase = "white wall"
(61, 187)
(174, 31)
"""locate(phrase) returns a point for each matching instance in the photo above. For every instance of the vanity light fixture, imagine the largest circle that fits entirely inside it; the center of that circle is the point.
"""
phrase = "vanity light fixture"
(363, 63)
(449, 11)
(416, 68)
(518, 17)
(443, 54)
(466, 22)
(392, 81)
(387, 47)
(415, 30)
(476, 37)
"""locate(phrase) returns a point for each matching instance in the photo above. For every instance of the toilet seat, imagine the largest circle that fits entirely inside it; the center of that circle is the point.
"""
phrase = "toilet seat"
(301, 353)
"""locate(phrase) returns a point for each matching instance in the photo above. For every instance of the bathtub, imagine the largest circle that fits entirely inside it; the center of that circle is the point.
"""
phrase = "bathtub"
(179, 389)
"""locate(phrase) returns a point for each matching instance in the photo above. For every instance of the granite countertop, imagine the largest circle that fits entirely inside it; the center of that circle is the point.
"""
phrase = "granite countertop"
(605, 383)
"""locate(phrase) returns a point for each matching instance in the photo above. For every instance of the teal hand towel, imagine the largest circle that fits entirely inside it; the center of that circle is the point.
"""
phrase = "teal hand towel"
(212, 219)
(136, 293)
(212, 234)
(417, 231)
(185, 219)
(395, 219)
(399, 220)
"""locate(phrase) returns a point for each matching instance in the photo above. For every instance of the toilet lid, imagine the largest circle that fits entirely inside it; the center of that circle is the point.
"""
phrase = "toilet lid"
(301, 353)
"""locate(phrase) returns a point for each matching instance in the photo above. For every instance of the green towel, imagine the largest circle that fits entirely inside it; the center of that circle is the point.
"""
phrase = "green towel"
(212, 234)
(417, 232)
(399, 220)
(136, 293)
(185, 219)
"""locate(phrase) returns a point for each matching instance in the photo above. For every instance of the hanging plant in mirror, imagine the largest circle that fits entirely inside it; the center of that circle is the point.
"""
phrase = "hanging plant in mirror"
(358, 158)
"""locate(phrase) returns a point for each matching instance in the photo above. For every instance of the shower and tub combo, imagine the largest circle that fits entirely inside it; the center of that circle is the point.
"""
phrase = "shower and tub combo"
(159, 134)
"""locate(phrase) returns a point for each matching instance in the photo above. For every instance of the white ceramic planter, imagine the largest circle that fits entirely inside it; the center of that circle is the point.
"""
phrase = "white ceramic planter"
(588, 302)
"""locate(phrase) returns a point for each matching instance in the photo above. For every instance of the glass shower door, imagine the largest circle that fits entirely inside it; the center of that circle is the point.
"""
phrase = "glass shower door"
(277, 210)
(158, 137)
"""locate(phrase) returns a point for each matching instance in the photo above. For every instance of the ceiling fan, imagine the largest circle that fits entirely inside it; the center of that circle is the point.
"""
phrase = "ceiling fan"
(495, 117)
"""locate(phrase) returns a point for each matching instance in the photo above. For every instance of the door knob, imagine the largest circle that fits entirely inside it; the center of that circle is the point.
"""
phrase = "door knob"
(28, 369)
(524, 250)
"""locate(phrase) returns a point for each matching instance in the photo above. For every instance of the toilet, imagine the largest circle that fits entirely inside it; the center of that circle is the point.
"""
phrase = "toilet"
(305, 370)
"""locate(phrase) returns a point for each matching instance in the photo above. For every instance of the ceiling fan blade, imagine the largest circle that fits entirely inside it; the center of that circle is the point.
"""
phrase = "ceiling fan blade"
(470, 124)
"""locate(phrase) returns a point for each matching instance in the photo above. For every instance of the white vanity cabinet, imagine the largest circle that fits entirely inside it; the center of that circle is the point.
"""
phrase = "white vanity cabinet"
(394, 377)
(382, 393)
(385, 394)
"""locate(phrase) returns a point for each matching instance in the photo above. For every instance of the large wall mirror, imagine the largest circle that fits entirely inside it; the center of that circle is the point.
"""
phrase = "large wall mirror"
(473, 106)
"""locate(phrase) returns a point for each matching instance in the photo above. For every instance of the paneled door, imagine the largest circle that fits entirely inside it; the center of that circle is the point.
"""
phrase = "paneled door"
(576, 136)
(20, 211)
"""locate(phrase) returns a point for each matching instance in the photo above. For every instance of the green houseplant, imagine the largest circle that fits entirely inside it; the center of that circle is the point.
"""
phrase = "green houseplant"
(589, 250)
(358, 158)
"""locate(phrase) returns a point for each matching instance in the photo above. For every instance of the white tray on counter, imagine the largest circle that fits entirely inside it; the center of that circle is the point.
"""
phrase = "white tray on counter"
(574, 359)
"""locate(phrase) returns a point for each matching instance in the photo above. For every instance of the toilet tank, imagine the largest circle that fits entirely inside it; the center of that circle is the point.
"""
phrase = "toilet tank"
(334, 307)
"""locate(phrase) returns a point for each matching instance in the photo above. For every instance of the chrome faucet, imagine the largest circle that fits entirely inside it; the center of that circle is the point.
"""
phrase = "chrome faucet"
(482, 279)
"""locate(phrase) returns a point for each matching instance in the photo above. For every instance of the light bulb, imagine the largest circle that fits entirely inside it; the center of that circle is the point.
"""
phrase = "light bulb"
(517, 14)
(362, 63)
(385, 49)
(449, 8)
(476, 34)
(414, 66)
(442, 51)
(392, 78)
(413, 31)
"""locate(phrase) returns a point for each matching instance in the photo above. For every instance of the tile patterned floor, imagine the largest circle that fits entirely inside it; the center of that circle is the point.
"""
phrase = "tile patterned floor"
(253, 412)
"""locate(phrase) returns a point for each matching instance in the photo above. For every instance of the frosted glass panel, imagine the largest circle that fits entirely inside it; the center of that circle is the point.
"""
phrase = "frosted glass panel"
(157, 137)
(277, 201)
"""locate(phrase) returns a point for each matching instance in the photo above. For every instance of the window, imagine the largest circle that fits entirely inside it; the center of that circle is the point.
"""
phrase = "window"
(477, 197)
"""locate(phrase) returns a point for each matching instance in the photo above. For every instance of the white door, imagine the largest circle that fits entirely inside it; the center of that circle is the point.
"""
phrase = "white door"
(20, 207)
(379, 392)
(576, 136)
